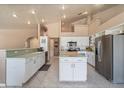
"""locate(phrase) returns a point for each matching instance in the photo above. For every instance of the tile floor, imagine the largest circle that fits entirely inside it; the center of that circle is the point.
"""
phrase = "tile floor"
(50, 79)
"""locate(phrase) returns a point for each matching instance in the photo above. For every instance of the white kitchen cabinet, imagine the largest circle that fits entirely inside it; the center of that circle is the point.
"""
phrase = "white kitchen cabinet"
(15, 72)
(80, 71)
(91, 58)
(29, 71)
(73, 68)
(66, 71)
(22, 68)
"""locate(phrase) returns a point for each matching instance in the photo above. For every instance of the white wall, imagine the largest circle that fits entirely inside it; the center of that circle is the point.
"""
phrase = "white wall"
(93, 27)
(54, 29)
(109, 13)
(34, 43)
(15, 38)
(79, 30)
(119, 19)
(82, 42)
(106, 19)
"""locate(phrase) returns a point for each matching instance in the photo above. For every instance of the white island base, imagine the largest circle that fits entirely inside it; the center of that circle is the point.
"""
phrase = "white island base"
(72, 68)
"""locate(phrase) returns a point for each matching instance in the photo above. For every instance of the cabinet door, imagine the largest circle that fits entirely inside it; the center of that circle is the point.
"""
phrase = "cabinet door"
(42, 59)
(28, 69)
(80, 71)
(15, 71)
(38, 60)
(35, 64)
(65, 71)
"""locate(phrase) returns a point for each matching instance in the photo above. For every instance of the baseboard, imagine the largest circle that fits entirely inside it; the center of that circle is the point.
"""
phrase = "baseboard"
(91, 65)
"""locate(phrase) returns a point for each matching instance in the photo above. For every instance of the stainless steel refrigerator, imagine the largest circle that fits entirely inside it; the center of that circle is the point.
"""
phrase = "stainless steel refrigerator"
(109, 58)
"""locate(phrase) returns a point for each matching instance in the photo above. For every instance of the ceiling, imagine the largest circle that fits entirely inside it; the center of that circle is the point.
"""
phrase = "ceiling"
(51, 13)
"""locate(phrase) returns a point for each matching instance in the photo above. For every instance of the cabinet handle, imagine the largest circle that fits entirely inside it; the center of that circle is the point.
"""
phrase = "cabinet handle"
(73, 65)
(79, 60)
(65, 60)
(34, 61)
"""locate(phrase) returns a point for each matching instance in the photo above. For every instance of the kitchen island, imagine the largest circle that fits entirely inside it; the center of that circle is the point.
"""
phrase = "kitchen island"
(72, 66)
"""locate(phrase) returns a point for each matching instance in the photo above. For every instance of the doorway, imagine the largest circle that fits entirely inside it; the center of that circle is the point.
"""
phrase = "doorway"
(54, 47)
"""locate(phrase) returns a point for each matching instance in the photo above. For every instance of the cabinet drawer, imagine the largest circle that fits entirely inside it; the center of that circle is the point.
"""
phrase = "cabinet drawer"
(79, 59)
(65, 59)
(73, 59)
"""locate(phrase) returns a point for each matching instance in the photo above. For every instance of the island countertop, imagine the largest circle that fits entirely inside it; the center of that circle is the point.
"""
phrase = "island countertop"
(73, 66)
(73, 54)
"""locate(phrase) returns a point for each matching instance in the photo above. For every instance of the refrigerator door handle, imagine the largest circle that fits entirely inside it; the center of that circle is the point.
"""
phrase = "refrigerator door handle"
(99, 51)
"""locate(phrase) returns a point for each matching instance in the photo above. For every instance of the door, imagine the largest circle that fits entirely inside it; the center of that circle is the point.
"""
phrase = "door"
(65, 71)
(56, 46)
(107, 56)
(51, 48)
(80, 71)
(99, 64)
(118, 59)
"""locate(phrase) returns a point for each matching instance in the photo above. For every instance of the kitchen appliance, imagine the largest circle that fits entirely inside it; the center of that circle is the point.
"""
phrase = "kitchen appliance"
(44, 46)
(72, 46)
(109, 58)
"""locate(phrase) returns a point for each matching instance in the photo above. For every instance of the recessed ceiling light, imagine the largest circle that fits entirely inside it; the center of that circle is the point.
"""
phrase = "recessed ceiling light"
(42, 20)
(33, 12)
(14, 15)
(63, 7)
(85, 12)
(28, 22)
(98, 5)
(64, 16)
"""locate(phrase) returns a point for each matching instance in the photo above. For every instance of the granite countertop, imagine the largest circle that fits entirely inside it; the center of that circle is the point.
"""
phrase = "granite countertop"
(73, 54)
(26, 55)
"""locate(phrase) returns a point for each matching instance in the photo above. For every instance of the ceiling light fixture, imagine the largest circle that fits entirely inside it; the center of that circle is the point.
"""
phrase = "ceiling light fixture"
(64, 16)
(29, 22)
(99, 4)
(42, 20)
(85, 12)
(63, 7)
(14, 15)
(33, 12)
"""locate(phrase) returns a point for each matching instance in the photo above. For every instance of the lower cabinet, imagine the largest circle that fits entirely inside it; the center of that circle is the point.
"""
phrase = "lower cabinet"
(80, 71)
(65, 71)
(29, 68)
(91, 58)
(15, 71)
(20, 70)
(70, 70)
